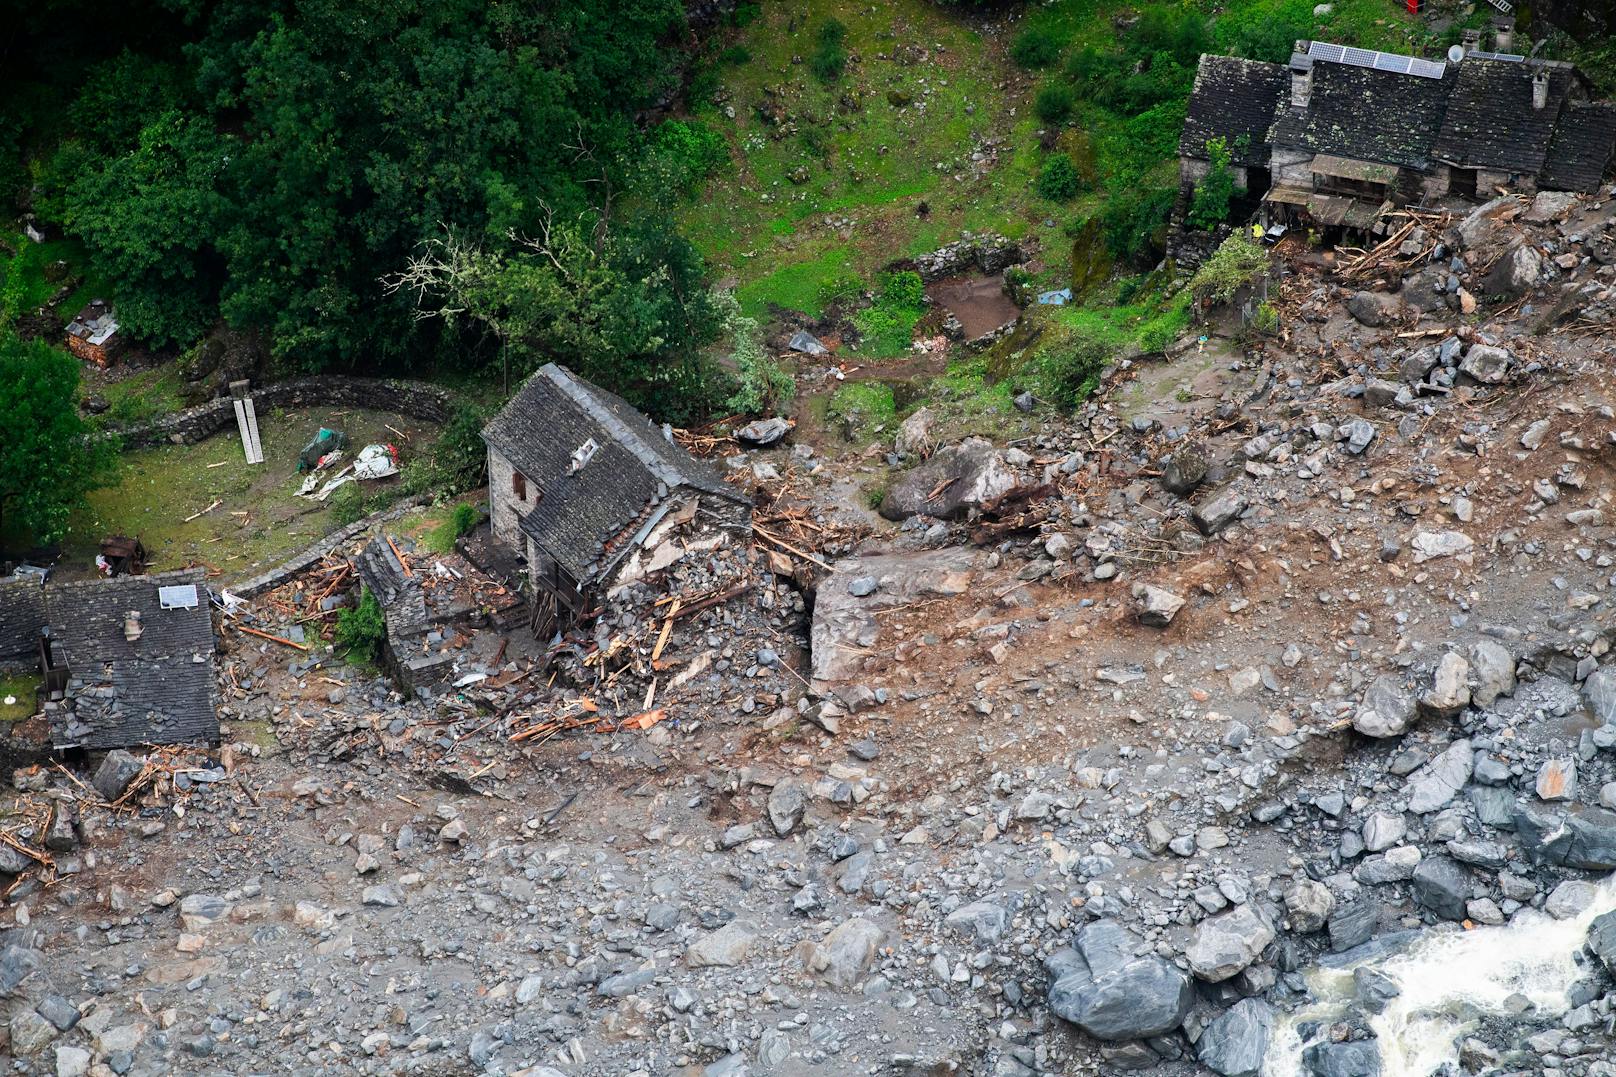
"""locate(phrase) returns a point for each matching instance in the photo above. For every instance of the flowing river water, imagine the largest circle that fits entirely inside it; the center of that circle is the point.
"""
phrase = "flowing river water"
(1447, 982)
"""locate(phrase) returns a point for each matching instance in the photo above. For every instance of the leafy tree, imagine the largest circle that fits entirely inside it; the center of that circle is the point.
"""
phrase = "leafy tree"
(52, 457)
(760, 382)
(685, 153)
(149, 215)
(1236, 263)
(1210, 206)
(1069, 369)
(628, 308)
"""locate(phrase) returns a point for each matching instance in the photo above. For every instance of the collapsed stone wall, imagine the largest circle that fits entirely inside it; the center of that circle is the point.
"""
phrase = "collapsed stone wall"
(416, 399)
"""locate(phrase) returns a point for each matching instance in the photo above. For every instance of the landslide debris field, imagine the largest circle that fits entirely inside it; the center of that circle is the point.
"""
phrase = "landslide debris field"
(1075, 758)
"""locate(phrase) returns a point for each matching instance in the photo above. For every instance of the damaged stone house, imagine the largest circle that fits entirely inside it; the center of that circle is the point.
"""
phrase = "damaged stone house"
(579, 481)
(1340, 135)
(125, 661)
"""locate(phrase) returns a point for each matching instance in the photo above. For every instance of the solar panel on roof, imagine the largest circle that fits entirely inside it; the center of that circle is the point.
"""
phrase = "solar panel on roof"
(177, 597)
(1379, 61)
(1511, 57)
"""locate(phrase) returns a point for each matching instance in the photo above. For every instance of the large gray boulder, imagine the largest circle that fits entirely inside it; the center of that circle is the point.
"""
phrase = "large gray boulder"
(1573, 836)
(1599, 690)
(1516, 273)
(1442, 886)
(116, 774)
(1222, 946)
(1219, 511)
(1374, 309)
(1486, 363)
(1104, 989)
(1492, 668)
(846, 629)
(1435, 784)
(847, 952)
(1602, 939)
(1234, 1043)
(1358, 1058)
(1386, 710)
(955, 480)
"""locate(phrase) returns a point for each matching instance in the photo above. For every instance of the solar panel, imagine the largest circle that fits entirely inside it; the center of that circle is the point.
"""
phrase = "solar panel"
(1379, 61)
(1511, 57)
(177, 597)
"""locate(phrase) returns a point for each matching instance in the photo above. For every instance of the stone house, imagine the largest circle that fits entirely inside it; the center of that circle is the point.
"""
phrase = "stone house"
(578, 480)
(125, 661)
(1341, 135)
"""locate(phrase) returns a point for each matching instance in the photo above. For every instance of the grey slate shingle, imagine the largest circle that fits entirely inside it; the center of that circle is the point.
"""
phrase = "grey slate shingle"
(1368, 115)
(1580, 151)
(1490, 122)
(158, 689)
(22, 615)
(1234, 97)
(633, 469)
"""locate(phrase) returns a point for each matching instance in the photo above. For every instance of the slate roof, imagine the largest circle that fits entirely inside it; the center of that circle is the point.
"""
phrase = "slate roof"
(632, 470)
(22, 615)
(1490, 122)
(158, 689)
(1581, 149)
(1234, 97)
(400, 596)
(1368, 115)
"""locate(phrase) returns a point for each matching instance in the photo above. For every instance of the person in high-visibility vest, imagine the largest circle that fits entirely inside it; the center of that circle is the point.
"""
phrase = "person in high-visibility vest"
(1257, 232)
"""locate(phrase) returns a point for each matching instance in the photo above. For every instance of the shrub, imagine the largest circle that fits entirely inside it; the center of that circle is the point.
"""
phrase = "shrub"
(361, 630)
(888, 324)
(760, 382)
(1037, 46)
(746, 14)
(1069, 369)
(736, 55)
(689, 151)
(830, 57)
(1210, 206)
(1133, 220)
(861, 407)
(462, 521)
(1059, 179)
(1054, 104)
(1236, 263)
(457, 461)
(843, 284)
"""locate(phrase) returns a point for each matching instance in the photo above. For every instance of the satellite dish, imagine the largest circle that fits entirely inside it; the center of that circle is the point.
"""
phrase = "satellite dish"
(1456, 53)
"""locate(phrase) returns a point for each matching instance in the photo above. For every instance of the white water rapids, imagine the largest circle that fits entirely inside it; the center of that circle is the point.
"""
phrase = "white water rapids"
(1448, 981)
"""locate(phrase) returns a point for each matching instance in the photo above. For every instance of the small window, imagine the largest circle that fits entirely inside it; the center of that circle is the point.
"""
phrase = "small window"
(519, 485)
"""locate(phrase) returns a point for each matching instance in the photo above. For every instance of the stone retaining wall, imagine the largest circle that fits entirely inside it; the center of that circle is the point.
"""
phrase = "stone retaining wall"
(416, 399)
(268, 581)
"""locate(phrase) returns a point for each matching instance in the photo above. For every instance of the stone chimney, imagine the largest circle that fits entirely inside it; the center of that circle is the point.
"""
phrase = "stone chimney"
(1471, 40)
(1503, 34)
(1540, 89)
(1301, 76)
(132, 628)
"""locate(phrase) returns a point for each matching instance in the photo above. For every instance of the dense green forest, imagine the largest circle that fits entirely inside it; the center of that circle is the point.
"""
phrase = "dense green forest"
(267, 163)
(572, 181)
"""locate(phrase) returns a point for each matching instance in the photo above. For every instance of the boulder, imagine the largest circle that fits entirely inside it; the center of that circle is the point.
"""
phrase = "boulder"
(1427, 290)
(1222, 946)
(1437, 782)
(1382, 830)
(1374, 309)
(1309, 905)
(1157, 606)
(955, 480)
(1492, 671)
(1386, 710)
(1599, 691)
(846, 953)
(1218, 512)
(915, 434)
(980, 920)
(1602, 939)
(1353, 925)
(1184, 471)
(1105, 990)
(1430, 545)
(1486, 364)
(846, 631)
(1557, 778)
(763, 432)
(1442, 886)
(1236, 1041)
(730, 945)
(1356, 1058)
(1571, 836)
(116, 774)
(1516, 273)
(1550, 206)
(1450, 687)
(787, 803)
